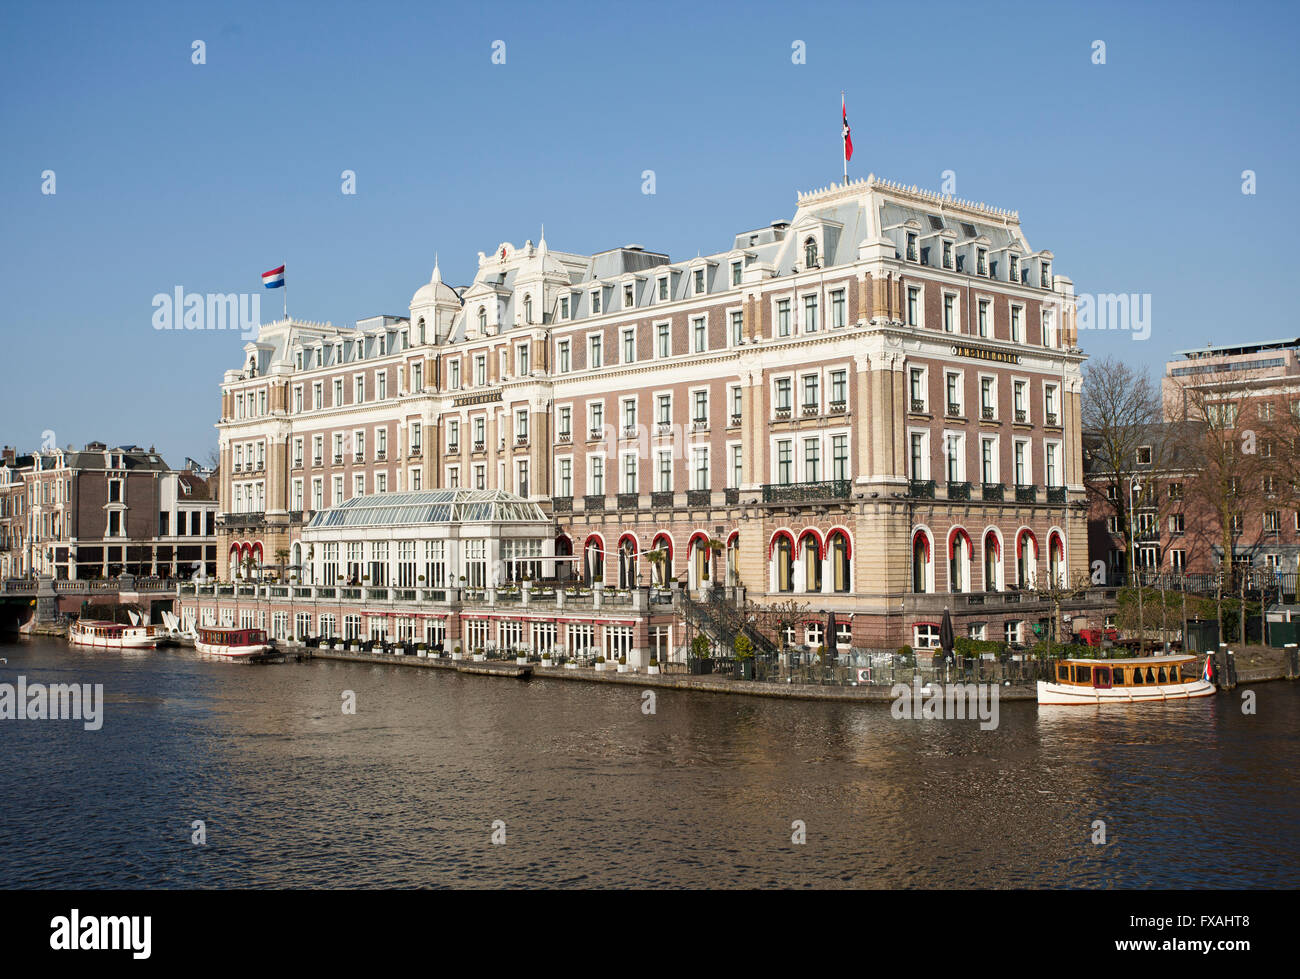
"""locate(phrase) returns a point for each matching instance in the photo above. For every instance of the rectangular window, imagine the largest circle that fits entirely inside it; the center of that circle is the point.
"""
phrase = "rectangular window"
(839, 457)
(812, 460)
(736, 269)
(983, 318)
(629, 345)
(913, 305)
(1016, 325)
(663, 339)
(664, 472)
(783, 388)
(839, 312)
(810, 314)
(785, 462)
(839, 387)
(783, 318)
(664, 409)
(595, 351)
(810, 392)
(564, 477)
(701, 401)
(698, 334)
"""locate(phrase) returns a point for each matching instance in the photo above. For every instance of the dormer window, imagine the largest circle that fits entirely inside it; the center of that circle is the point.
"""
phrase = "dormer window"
(595, 302)
(699, 282)
(911, 246)
(629, 296)
(320, 357)
(482, 318)
(1045, 275)
(810, 253)
(1013, 268)
(297, 360)
(564, 307)
(981, 261)
(1144, 455)
(663, 289)
(947, 254)
(736, 270)
(528, 309)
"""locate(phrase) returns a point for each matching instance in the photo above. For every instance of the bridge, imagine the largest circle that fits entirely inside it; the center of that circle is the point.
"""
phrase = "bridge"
(45, 600)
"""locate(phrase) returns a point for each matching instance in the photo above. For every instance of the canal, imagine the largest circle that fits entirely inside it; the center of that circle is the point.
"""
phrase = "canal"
(596, 790)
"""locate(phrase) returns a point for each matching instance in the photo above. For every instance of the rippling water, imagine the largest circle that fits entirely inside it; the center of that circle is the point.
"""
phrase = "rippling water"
(594, 792)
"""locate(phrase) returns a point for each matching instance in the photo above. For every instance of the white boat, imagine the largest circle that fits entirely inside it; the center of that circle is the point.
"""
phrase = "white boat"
(101, 634)
(230, 643)
(1149, 679)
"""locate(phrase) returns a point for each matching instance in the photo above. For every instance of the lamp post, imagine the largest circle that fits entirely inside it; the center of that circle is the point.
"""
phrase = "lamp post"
(1136, 487)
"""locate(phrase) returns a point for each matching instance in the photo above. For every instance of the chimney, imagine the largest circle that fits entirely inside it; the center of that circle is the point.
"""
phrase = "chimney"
(8, 455)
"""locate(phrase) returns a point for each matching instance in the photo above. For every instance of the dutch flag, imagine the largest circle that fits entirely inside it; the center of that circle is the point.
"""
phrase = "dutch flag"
(273, 279)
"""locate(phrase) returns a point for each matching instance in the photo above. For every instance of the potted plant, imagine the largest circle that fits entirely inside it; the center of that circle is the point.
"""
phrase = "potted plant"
(622, 665)
(546, 659)
(479, 655)
(744, 657)
(700, 662)
(600, 664)
(653, 668)
(456, 654)
(521, 654)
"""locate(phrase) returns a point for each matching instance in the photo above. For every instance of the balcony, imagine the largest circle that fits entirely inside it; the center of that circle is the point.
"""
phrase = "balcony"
(954, 410)
(838, 407)
(359, 457)
(1056, 494)
(661, 500)
(562, 504)
(453, 448)
(629, 431)
(958, 491)
(521, 441)
(297, 464)
(734, 421)
(417, 452)
(1051, 420)
(988, 414)
(564, 438)
(699, 497)
(782, 414)
(1022, 416)
(628, 501)
(318, 461)
(594, 502)
(832, 489)
(480, 446)
(381, 455)
(731, 496)
(664, 428)
(992, 492)
(918, 406)
(921, 489)
(1026, 494)
(810, 409)
(596, 435)
(700, 425)
(338, 458)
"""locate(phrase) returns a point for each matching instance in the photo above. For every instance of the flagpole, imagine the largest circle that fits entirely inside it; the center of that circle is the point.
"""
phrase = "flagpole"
(284, 284)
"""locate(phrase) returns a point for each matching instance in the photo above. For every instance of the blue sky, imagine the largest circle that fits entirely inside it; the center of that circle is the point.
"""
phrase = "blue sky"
(203, 176)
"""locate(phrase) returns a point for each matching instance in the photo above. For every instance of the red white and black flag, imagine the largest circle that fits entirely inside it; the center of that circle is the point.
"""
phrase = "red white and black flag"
(848, 137)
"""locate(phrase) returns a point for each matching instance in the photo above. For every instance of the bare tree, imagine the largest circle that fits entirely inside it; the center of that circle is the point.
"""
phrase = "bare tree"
(1129, 440)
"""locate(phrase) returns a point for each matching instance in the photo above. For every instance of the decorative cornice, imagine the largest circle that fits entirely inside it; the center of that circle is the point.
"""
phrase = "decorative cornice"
(913, 193)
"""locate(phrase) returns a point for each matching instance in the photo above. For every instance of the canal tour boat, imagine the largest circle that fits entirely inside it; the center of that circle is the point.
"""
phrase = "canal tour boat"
(230, 643)
(102, 634)
(1126, 681)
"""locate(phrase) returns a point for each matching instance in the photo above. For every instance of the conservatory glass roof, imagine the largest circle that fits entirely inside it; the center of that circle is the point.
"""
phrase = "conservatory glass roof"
(430, 507)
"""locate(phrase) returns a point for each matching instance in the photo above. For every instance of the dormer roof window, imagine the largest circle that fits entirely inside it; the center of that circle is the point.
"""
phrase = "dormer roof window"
(981, 261)
(1045, 274)
(1013, 268)
(663, 289)
(947, 254)
(699, 282)
(810, 253)
(595, 302)
(629, 295)
(564, 307)
(911, 246)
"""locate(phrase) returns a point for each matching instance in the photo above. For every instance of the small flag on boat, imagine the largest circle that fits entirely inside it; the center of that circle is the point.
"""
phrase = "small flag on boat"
(1208, 673)
(274, 279)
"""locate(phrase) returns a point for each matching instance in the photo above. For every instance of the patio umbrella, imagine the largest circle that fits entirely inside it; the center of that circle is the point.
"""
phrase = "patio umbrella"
(946, 641)
(832, 647)
(586, 565)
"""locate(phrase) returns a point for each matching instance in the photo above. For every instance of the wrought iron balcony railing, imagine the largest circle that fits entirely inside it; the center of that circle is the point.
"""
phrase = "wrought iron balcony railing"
(832, 489)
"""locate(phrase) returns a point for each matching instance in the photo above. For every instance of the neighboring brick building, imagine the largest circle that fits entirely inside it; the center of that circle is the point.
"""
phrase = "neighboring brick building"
(104, 511)
(873, 407)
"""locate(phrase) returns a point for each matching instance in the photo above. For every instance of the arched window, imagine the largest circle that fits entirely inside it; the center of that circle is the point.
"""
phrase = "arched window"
(482, 318)
(627, 562)
(839, 547)
(421, 329)
(564, 570)
(783, 555)
(700, 556)
(920, 562)
(810, 253)
(594, 561)
(733, 560)
(812, 563)
(662, 569)
(959, 554)
(1056, 560)
(992, 563)
(528, 309)
(1026, 559)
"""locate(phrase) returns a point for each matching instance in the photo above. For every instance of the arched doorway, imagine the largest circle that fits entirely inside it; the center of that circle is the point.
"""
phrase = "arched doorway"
(627, 561)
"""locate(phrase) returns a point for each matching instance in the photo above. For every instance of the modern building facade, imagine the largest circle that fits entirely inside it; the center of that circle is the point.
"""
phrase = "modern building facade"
(871, 408)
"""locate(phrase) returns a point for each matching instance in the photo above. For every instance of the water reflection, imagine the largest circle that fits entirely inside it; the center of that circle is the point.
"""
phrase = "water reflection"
(594, 792)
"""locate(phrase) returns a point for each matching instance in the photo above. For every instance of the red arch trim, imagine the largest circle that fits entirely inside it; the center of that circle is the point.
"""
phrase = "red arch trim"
(991, 540)
(636, 544)
(1026, 532)
(733, 536)
(813, 533)
(600, 541)
(925, 542)
(771, 545)
(848, 541)
(698, 535)
(952, 540)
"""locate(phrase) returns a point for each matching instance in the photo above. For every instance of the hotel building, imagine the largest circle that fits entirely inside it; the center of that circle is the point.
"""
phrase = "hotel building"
(871, 408)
